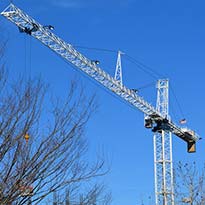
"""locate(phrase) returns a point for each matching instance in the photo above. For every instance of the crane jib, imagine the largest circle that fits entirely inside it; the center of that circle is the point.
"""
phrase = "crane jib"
(28, 25)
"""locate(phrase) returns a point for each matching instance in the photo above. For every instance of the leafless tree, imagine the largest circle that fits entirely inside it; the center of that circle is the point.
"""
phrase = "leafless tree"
(42, 142)
(190, 184)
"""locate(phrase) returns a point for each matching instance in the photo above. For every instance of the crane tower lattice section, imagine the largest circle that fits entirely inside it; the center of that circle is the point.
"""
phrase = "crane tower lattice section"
(163, 166)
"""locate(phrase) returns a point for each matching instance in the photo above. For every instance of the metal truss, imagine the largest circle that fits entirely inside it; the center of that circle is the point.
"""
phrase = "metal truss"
(118, 70)
(67, 52)
(163, 166)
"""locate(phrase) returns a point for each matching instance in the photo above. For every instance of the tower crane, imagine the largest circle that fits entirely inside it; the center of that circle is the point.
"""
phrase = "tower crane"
(156, 118)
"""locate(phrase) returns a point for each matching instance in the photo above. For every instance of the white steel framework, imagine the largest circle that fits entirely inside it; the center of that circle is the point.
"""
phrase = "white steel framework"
(157, 118)
(164, 189)
(118, 70)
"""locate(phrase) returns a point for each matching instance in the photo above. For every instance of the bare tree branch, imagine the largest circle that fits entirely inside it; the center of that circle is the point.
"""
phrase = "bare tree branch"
(53, 158)
(190, 184)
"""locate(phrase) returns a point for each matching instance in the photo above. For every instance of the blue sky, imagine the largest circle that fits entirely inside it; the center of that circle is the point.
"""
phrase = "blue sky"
(168, 36)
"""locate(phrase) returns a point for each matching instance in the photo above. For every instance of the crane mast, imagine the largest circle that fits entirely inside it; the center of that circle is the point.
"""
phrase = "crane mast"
(163, 166)
(156, 118)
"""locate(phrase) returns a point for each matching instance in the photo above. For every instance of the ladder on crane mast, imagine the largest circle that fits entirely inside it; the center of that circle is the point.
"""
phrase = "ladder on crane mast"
(155, 118)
